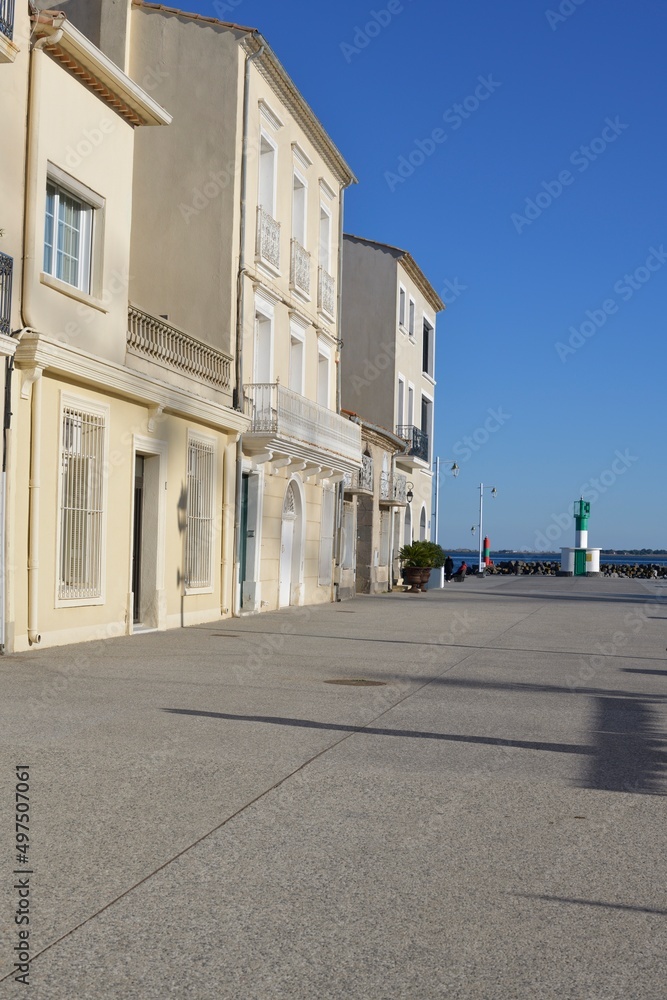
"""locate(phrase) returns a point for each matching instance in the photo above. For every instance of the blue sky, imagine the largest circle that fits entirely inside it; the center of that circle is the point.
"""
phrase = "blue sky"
(542, 200)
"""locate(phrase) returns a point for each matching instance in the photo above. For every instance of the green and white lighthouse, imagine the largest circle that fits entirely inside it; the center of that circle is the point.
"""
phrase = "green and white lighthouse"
(580, 560)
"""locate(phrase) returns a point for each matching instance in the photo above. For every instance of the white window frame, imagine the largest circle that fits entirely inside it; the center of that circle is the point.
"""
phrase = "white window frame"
(410, 416)
(412, 317)
(429, 429)
(264, 310)
(324, 352)
(347, 527)
(265, 137)
(298, 333)
(402, 297)
(431, 323)
(92, 408)
(400, 409)
(320, 258)
(208, 442)
(383, 543)
(90, 233)
(298, 176)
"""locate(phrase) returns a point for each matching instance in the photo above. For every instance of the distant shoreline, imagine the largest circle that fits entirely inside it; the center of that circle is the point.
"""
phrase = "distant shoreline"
(512, 553)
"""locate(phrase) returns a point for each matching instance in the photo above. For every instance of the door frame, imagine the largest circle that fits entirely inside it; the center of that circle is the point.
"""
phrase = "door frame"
(150, 448)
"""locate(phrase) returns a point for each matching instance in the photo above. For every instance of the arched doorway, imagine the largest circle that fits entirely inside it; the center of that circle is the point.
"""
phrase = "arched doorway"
(291, 546)
(407, 526)
(422, 525)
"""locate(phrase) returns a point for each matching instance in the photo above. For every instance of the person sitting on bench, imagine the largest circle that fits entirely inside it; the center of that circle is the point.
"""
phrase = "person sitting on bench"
(460, 574)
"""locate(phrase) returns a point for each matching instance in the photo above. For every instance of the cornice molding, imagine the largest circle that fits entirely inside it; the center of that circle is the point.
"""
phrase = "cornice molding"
(38, 351)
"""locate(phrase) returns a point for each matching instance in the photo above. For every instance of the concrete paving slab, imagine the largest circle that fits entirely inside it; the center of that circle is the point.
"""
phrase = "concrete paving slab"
(212, 819)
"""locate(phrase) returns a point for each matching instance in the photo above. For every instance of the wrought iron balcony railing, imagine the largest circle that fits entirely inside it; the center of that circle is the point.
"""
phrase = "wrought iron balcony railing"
(326, 292)
(7, 18)
(300, 268)
(282, 413)
(393, 489)
(360, 481)
(417, 439)
(166, 344)
(6, 271)
(268, 238)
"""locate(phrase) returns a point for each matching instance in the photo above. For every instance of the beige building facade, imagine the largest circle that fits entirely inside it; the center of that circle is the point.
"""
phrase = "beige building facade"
(120, 450)
(175, 452)
(388, 366)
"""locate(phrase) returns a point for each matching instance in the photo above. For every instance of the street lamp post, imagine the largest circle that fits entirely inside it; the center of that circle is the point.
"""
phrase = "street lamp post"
(494, 494)
(454, 471)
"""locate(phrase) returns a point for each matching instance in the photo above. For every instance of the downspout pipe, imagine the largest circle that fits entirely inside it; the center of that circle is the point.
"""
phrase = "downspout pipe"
(240, 320)
(28, 278)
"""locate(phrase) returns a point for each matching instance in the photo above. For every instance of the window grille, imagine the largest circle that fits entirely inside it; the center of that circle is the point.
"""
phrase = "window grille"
(199, 535)
(81, 505)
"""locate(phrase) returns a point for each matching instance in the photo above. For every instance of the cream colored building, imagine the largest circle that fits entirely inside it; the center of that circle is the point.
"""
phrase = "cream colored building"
(248, 202)
(373, 496)
(175, 454)
(388, 365)
(122, 442)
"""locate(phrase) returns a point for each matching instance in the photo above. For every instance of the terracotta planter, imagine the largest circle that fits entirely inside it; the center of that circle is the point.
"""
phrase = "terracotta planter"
(425, 577)
(413, 575)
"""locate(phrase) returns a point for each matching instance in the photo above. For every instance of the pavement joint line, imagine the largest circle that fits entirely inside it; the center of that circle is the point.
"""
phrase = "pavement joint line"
(253, 801)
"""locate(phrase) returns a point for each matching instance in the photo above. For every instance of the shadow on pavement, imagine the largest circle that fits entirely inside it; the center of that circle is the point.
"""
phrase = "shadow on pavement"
(630, 751)
(593, 902)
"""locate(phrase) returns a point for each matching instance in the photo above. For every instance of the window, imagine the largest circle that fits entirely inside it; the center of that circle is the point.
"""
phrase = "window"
(428, 349)
(296, 358)
(68, 237)
(422, 525)
(82, 448)
(427, 424)
(401, 306)
(326, 537)
(325, 239)
(411, 319)
(411, 406)
(263, 341)
(323, 367)
(199, 510)
(299, 199)
(400, 403)
(267, 176)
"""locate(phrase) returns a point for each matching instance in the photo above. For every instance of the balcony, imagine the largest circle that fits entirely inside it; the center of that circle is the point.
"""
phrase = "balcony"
(417, 440)
(7, 18)
(361, 480)
(393, 490)
(300, 269)
(170, 347)
(326, 292)
(6, 271)
(268, 239)
(288, 428)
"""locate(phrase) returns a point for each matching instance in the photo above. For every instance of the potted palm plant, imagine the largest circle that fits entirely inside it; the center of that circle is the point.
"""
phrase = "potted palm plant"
(417, 560)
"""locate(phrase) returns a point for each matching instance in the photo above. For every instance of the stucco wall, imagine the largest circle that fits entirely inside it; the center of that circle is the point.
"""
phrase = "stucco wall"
(186, 177)
(91, 144)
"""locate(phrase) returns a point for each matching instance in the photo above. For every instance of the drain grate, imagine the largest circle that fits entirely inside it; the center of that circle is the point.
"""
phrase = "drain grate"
(357, 682)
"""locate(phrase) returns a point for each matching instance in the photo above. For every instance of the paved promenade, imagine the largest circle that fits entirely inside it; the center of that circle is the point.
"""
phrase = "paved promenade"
(212, 817)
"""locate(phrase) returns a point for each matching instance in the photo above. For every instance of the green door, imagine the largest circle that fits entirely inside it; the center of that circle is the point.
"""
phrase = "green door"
(244, 531)
(580, 562)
